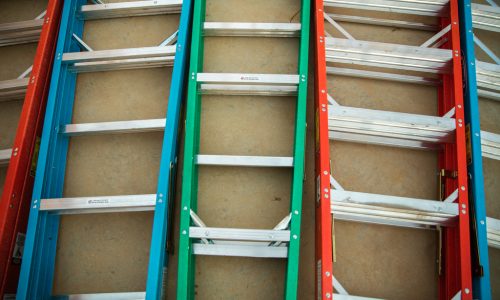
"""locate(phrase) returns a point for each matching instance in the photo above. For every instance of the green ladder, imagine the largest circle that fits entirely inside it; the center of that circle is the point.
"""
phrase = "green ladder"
(196, 238)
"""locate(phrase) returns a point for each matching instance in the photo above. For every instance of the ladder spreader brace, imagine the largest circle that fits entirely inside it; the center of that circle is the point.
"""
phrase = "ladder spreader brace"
(196, 238)
(438, 57)
(73, 56)
(32, 87)
(482, 80)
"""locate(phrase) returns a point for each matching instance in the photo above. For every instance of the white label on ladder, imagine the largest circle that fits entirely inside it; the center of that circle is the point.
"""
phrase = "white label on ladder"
(17, 254)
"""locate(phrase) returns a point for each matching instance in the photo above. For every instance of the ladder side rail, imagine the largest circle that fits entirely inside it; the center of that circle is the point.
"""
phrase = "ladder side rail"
(163, 212)
(38, 266)
(481, 283)
(323, 236)
(457, 264)
(186, 265)
(292, 272)
(16, 195)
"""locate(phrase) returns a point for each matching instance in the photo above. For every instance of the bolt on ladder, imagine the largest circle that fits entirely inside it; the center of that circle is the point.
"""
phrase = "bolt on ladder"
(74, 56)
(439, 59)
(482, 80)
(197, 238)
(32, 89)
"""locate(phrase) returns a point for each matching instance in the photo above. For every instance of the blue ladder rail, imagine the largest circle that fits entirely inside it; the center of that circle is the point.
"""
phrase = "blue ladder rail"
(38, 263)
(481, 268)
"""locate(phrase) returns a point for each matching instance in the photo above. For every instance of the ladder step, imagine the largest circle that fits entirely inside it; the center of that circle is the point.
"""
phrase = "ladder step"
(486, 17)
(118, 59)
(244, 161)
(384, 22)
(240, 250)
(14, 89)
(488, 80)
(236, 234)
(130, 9)
(106, 296)
(114, 127)
(490, 145)
(258, 79)
(262, 90)
(5, 155)
(433, 8)
(493, 232)
(389, 128)
(382, 76)
(391, 210)
(251, 29)
(100, 204)
(15, 33)
(385, 55)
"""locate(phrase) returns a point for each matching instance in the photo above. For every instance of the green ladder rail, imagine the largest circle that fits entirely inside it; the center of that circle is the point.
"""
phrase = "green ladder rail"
(196, 238)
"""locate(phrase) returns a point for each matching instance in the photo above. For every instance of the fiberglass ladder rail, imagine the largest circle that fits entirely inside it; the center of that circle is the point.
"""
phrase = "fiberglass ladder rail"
(393, 129)
(16, 33)
(197, 238)
(483, 80)
(47, 203)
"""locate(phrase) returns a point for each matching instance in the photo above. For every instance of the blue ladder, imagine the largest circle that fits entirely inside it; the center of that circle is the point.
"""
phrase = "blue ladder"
(74, 56)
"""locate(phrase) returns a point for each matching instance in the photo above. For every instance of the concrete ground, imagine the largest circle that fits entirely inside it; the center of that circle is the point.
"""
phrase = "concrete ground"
(109, 252)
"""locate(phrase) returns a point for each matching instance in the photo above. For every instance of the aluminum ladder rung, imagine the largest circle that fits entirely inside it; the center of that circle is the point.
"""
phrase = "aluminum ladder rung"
(22, 32)
(392, 210)
(389, 128)
(383, 22)
(106, 296)
(5, 155)
(256, 90)
(100, 204)
(382, 76)
(486, 17)
(488, 80)
(490, 145)
(114, 127)
(14, 89)
(117, 59)
(261, 251)
(434, 8)
(130, 9)
(237, 234)
(244, 161)
(493, 232)
(386, 55)
(251, 29)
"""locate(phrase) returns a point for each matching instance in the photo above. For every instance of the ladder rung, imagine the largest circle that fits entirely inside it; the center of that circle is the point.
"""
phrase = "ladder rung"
(240, 250)
(233, 89)
(385, 55)
(260, 79)
(493, 232)
(114, 127)
(5, 156)
(130, 9)
(490, 145)
(426, 8)
(384, 22)
(91, 61)
(107, 296)
(14, 89)
(486, 17)
(251, 29)
(101, 204)
(388, 128)
(382, 76)
(350, 297)
(20, 32)
(244, 161)
(391, 210)
(236, 234)
(488, 80)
